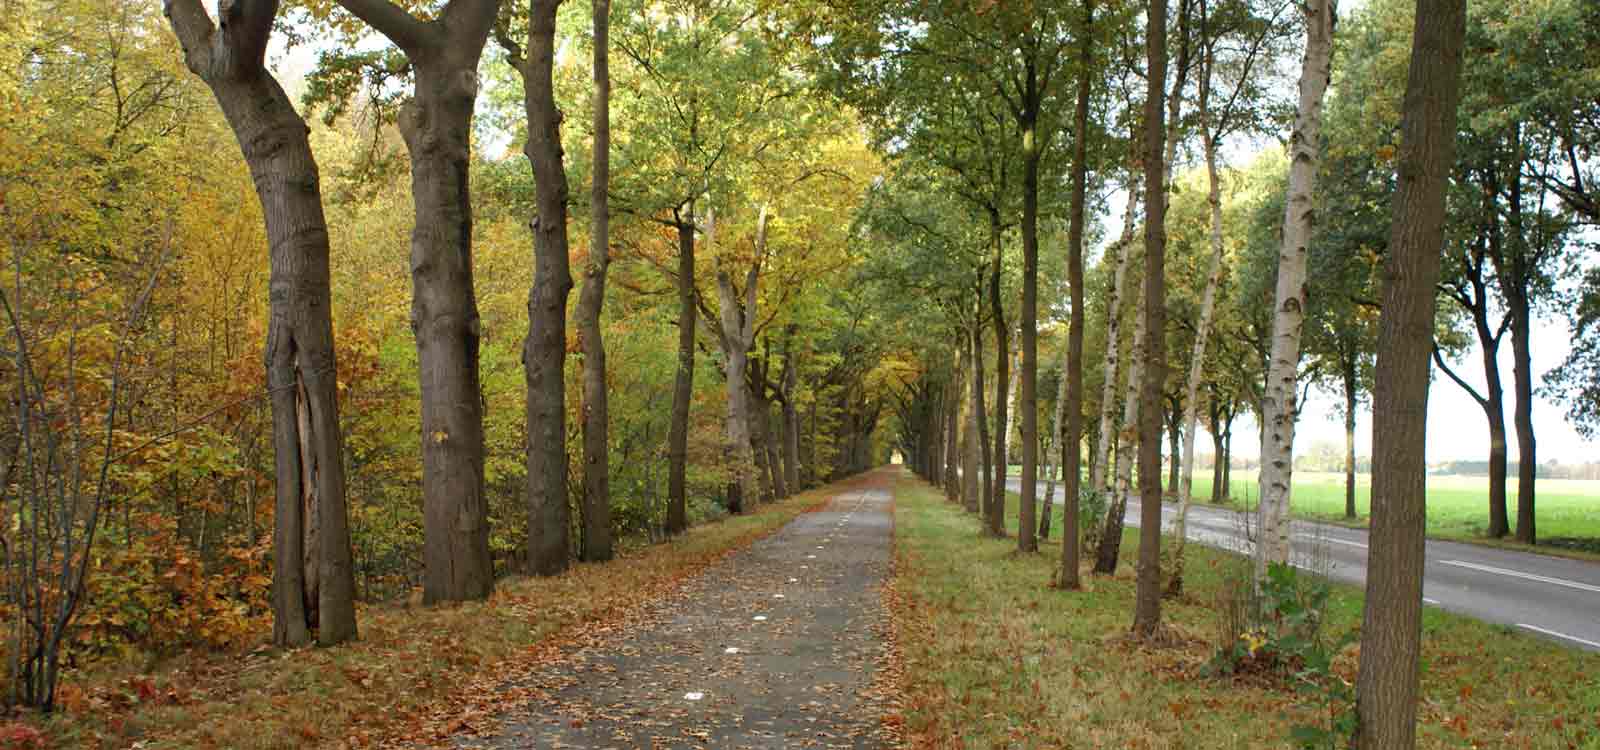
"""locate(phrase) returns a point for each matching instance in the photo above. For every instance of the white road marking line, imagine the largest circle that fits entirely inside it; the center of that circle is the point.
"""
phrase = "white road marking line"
(1564, 636)
(731, 650)
(777, 596)
(760, 618)
(693, 696)
(1520, 574)
(794, 580)
(1426, 600)
(1316, 538)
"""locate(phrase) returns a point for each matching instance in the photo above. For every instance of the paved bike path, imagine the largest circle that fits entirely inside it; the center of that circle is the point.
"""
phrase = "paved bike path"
(776, 646)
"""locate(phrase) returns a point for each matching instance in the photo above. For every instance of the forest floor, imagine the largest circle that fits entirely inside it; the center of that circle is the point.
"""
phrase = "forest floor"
(993, 656)
(781, 645)
(416, 677)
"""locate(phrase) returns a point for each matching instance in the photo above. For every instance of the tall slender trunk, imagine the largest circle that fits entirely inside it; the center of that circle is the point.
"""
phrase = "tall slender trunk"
(1197, 357)
(1070, 440)
(1127, 437)
(591, 302)
(1032, 149)
(1108, 391)
(736, 336)
(1349, 377)
(981, 423)
(1278, 404)
(1515, 278)
(1147, 601)
(544, 352)
(683, 383)
(1002, 347)
(1174, 433)
(300, 360)
(791, 420)
(1219, 485)
(952, 425)
(1386, 688)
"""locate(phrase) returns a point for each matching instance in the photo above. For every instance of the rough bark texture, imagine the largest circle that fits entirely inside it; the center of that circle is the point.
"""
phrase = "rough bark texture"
(549, 516)
(1147, 601)
(1070, 439)
(1289, 302)
(591, 301)
(1386, 688)
(437, 127)
(683, 383)
(300, 363)
(1108, 392)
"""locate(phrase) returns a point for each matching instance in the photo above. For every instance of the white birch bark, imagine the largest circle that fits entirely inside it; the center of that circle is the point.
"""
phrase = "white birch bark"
(1128, 434)
(1108, 391)
(1278, 405)
(1208, 306)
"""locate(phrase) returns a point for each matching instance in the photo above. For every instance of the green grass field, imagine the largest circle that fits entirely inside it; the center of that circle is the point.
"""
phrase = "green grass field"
(1566, 511)
(1458, 507)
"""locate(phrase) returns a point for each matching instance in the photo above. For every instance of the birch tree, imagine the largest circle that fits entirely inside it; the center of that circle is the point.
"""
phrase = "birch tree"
(1289, 301)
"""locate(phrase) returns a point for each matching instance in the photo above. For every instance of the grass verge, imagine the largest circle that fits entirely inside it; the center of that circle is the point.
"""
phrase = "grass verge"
(993, 657)
(415, 676)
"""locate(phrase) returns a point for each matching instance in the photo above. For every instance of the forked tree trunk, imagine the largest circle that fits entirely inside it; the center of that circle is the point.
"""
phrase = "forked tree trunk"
(1289, 305)
(1147, 601)
(546, 346)
(683, 382)
(300, 361)
(1386, 688)
(736, 335)
(596, 545)
(1109, 366)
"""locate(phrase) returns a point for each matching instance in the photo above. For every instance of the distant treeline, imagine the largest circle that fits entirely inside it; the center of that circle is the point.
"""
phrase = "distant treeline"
(1551, 469)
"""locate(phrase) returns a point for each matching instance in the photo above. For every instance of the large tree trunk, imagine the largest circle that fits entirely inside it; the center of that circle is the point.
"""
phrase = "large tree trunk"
(1278, 405)
(596, 544)
(683, 383)
(736, 335)
(1197, 357)
(1108, 391)
(1386, 688)
(1147, 602)
(545, 350)
(1002, 346)
(300, 361)
(1127, 436)
(437, 127)
(1069, 440)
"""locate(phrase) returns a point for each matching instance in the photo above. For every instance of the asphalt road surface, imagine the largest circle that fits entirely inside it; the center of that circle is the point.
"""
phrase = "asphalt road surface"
(1552, 597)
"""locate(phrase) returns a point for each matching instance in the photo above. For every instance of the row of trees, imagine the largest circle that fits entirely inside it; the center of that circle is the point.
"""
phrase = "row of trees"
(432, 437)
(1322, 266)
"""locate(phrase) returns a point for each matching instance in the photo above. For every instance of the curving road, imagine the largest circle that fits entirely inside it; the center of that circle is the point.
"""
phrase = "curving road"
(1553, 597)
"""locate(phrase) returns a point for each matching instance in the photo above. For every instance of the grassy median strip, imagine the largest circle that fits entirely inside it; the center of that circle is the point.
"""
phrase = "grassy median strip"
(415, 675)
(994, 657)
